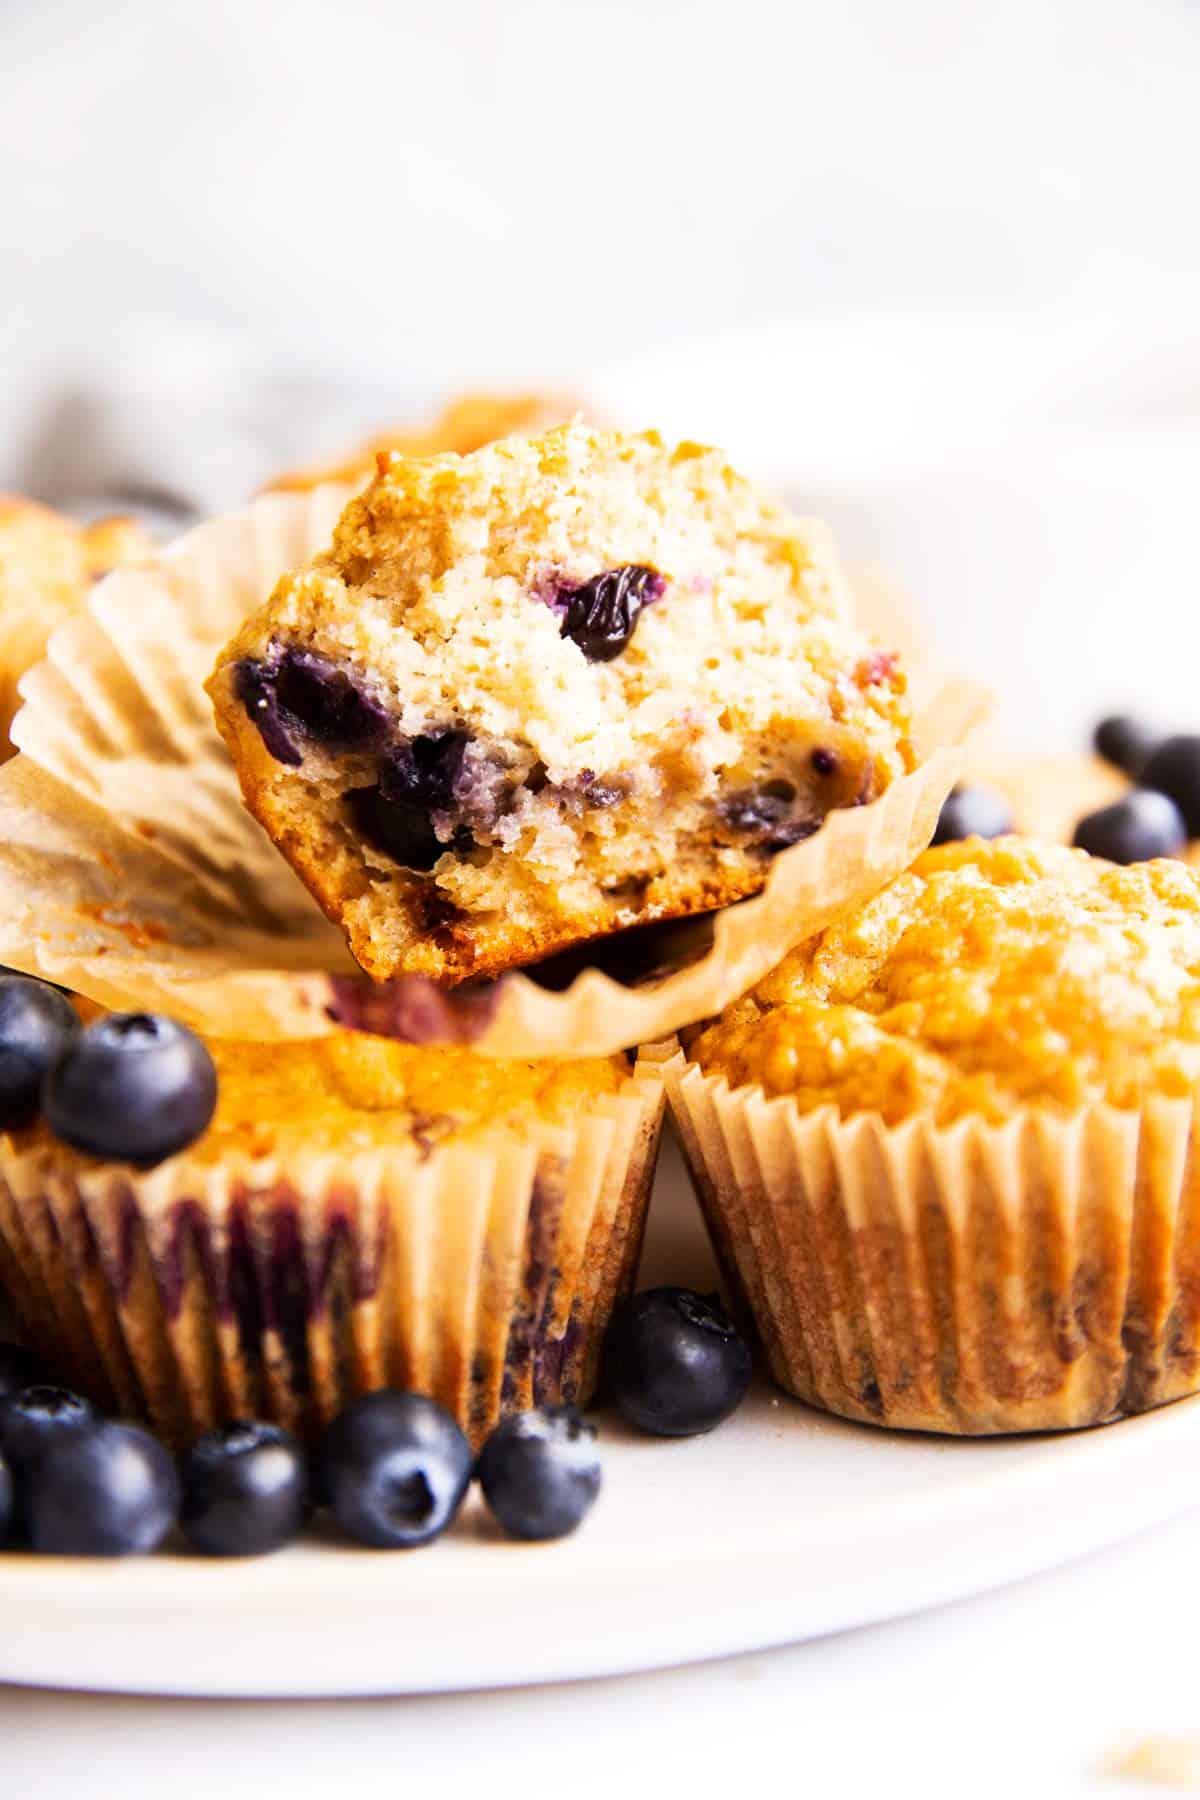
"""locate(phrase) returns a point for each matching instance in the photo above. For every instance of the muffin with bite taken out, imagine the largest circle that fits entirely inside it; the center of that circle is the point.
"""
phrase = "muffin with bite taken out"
(562, 686)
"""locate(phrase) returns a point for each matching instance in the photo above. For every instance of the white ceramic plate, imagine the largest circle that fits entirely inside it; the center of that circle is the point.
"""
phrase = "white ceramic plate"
(780, 1526)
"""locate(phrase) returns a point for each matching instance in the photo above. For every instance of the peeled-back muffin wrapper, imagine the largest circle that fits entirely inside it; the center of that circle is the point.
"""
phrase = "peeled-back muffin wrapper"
(480, 1272)
(969, 1279)
(131, 871)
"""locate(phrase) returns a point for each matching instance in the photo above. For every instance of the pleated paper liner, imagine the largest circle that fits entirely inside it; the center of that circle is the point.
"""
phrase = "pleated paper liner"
(482, 1272)
(131, 871)
(973, 1279)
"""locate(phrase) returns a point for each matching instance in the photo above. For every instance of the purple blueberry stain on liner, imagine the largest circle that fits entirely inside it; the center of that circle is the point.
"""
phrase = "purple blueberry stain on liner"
(534, 1308)
(555, 1375)
(412, 1008)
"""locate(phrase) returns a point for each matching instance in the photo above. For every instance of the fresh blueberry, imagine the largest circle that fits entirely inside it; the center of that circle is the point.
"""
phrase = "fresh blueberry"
(19, 1369)
(1136, 828)
(973, 812)
(393, 1469)
(675, 1364)
(540, 1472)
(245, 1490)
(134, 1087)
(1125, 743)
(36, 1025)
(35, 1418)
(297, 694)
(1174, 769)
(601, 615)
(108, 1490)
(767, 816)
(416, 780)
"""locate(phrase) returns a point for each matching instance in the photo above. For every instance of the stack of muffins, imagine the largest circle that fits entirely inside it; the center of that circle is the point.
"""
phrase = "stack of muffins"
(531, 698)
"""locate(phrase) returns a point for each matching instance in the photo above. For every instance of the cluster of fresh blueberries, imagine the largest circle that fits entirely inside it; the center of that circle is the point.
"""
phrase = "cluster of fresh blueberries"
(1161, 811)
(133, 1087)
(1157, 817)
(392, 1470)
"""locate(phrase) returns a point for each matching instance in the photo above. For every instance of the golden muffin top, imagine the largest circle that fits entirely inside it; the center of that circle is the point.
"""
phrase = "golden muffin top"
(988, 978)
(348, 1093)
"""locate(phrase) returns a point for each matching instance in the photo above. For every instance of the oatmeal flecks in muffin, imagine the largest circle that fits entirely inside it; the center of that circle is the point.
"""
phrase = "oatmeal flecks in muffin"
(989, 978)
(550, 690)
(464, 424)
(48, 565)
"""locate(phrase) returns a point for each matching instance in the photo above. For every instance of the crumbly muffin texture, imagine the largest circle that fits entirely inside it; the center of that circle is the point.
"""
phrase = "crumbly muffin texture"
(555, 688)
(987, 979)
(465, 423)
(48, 565)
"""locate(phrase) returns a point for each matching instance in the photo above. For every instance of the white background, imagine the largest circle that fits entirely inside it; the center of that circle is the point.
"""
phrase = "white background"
(938, 263)
(934, 265)
(431, 191)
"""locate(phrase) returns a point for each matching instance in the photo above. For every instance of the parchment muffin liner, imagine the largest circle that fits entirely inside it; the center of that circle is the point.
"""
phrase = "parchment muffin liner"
(971, 1279)
(481, 1272)
(131, 871)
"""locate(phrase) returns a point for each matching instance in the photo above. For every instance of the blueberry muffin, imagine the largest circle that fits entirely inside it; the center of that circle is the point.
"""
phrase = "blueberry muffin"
(48, 565)
(357, 1214)
(466, 423)
(948, 1147)
(559, 687)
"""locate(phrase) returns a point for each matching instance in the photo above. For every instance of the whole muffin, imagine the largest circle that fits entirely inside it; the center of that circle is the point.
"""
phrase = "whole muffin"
(358, 1214)
(465, 423)
(48, 566)
(947, 1148)
(541, 693)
